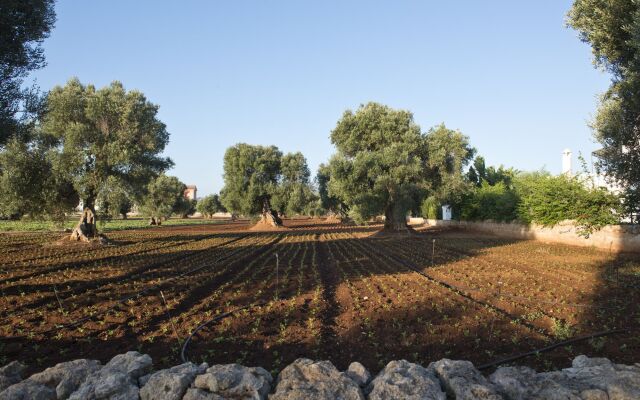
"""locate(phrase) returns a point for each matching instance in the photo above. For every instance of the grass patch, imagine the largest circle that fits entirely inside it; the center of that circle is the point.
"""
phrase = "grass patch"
(105, 226)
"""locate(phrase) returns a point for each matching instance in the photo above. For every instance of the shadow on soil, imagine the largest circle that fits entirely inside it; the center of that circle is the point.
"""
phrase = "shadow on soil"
(339, 297)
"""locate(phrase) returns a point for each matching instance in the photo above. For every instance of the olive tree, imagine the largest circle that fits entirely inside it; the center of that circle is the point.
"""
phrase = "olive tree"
(612, 28)
(379, 164)
(209, 205)
(386, 165)
(294, 192)
(23, 27)
(333, 205)
(251, 176)
(100, 135)
(164, 197)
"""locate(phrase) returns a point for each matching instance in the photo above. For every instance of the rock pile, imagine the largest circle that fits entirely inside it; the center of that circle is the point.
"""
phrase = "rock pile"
(130, 377)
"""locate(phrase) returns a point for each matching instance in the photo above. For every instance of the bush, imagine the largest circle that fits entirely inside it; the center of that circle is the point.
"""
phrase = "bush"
(549, 200)
(430, 208)
(497, 203)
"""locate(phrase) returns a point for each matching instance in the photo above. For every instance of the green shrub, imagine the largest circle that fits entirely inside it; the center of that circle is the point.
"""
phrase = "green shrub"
(487, 202)
(549, 200)
(430, 208)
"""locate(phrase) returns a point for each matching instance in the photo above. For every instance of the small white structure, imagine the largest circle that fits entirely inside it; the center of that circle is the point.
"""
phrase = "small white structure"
(446, 212)
(566, 163)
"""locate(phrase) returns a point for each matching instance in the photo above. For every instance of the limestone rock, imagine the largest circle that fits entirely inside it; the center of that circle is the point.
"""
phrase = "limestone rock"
(358, 373)
(516, 383)
(199, 394)
(11, 374)
(28, 390)
(170, 384)
(118, 379)
(233, 381)
(405, 380)
(66, 377)
(462, 381)
(619, 382)
(305, 379)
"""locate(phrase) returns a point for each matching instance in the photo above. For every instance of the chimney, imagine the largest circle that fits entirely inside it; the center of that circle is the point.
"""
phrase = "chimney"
(566, 163)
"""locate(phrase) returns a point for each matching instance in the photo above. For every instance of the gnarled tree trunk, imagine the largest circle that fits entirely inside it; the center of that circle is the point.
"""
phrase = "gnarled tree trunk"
(86, 229)
(395, 219)
(269, 216)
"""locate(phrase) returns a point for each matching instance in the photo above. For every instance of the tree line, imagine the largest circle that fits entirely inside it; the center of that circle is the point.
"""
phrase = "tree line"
(103, 147)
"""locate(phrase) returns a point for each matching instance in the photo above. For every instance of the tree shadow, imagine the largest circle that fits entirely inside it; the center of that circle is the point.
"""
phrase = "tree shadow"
(349, 295)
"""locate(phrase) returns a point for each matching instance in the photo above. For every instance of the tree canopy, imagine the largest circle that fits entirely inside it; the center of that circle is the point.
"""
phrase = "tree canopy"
(612, 28)
(251, 175)
(209, 205)
(165, 196)
(386, 165)
(104, 135)
(23, 27)
(294, 192)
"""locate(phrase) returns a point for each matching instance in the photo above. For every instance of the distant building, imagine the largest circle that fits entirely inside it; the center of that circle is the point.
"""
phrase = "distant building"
(191, 192)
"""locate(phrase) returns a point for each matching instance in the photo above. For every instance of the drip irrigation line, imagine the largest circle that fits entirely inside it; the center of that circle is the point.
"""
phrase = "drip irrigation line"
(125, 299)
(183, 351)
(552, 347)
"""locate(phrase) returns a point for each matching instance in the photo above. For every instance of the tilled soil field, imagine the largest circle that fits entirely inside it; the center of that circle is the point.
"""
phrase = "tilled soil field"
(317, 290)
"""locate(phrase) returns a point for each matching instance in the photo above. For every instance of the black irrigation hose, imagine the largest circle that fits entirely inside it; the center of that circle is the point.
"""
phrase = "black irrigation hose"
(138, 294)
(212, 320)
(551, 347)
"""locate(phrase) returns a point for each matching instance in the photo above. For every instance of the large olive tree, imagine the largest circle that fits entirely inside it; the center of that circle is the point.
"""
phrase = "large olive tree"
(101, 135)
(251, 176)
(386, 165)
(380, 163)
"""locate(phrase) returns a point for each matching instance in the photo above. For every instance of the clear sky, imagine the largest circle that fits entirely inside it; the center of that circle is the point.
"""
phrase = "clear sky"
(508, 74)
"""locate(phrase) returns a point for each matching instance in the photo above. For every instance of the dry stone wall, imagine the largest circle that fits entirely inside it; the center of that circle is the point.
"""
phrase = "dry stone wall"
(131, 376)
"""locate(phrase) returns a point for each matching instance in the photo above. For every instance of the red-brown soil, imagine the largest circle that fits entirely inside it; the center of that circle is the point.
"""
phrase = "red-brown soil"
(328, 292)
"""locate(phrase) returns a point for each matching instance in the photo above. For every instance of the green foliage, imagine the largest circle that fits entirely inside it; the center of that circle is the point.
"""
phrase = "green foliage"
(209, 205)
(99, 136)
(612, 28)
(449, 153)
(23, 27)
(380, 163)
(165, 196)
(497, 203)
(29, 183)
(114, 200)
(110, 225)
(548, 200)
(479, 173)
(329, 203)
(386, 165)
(293, 192)
(251, 175)
(430, 208)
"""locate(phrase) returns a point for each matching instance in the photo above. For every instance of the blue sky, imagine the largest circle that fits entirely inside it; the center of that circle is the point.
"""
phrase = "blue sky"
(508, 74)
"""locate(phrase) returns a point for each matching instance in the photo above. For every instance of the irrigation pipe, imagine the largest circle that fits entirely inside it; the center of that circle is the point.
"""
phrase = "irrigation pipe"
(551, 347)
(212, 320)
